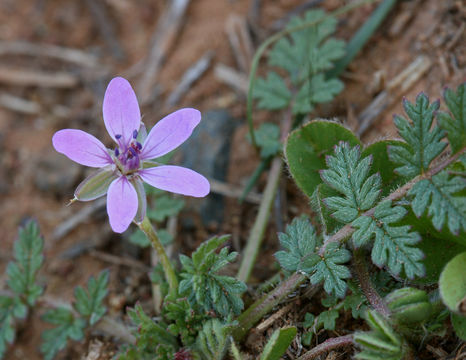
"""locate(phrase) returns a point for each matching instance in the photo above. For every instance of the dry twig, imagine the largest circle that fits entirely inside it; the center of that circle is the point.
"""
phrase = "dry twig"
(23, 77)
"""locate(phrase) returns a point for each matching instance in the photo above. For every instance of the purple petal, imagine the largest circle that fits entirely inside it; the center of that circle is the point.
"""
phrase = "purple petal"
(81, 147)
(122, 204)
(170, 132)
(176, 179)
(121, 110)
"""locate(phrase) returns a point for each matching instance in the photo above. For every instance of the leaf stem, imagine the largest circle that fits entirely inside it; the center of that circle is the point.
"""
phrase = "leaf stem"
(360, 269)
(326, 346)
(347, 230)
(264, 305)
(170, 275)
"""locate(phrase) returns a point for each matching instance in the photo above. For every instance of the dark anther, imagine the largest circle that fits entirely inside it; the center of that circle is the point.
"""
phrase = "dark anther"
(118, 136)
(133, 152)
(135, 134)
(139, 145)
(117, 152)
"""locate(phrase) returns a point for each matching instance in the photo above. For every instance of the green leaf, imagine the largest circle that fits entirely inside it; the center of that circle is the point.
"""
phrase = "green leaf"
(329, 223)
(153, 339)
(350, 176)
(306, 148)
(328, 319)
(300, 244)
(272, 92)
(382, 165)
(139, 238)
(278, 343)
(305, 52)
(8, 308)
(212, 342)
(452, 283)
(455, 122)
(268, 139)
(89, 302)
(67, 327)
(459, 324)
(202, 284)
(22, 273)
(330, 271)
(424, 143)
(439, 196)
(165, 206)
(393, 244)
(380, 343)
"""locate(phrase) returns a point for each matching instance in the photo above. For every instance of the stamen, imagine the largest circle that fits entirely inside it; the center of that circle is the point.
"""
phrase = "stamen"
(133, 152)
(118, 136)
(139, 146)
(135, 134)
(117, 152)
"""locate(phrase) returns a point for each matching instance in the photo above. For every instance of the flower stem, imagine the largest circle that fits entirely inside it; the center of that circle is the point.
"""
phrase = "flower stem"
(170, 275)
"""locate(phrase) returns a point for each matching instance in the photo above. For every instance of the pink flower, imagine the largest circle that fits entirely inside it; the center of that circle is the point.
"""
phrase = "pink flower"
(122, 170)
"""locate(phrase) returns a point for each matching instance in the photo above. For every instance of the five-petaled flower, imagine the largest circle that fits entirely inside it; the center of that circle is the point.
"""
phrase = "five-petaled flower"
(122, 170)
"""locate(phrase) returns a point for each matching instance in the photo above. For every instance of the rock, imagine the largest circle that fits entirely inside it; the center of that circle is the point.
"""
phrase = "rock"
(208, 152)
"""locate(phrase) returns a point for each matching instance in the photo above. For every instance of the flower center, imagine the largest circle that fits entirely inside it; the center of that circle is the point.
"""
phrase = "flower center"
(128, 156)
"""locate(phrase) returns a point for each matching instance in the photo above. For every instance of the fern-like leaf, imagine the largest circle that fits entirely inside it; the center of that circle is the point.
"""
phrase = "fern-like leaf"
(455, 123)
(89, 302)
(212, 342)
(204, 286)
(350, 176)
(393, 245)
(300, 243)
(423, 140)
(439, 196)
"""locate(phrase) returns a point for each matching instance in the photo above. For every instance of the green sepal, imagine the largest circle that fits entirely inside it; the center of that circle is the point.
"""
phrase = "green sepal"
(306, 148)
(142, 199)
(409, 305)
(96, 184)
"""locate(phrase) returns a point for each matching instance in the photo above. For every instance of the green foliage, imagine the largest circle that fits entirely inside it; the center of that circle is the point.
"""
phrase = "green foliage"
(306, 148)
(349, 175)
(459, 324)
(301, 255)
(268, 139)
(440, 196)
(67, 327)
(204, 286)
(409, 306)
(452, 283)
(165, 206)
(153, 339)
(304, 56)
(186, 320)
(212, 342)
(70, 322)
(424, 143)
(22, 273)
(393, 245)
(22, 280)
(278, 343)
(455, 122)
(382, 343)
(89, 302)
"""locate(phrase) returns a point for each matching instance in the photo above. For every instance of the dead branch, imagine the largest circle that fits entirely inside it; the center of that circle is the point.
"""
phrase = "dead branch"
(232, 77)
(23, 77)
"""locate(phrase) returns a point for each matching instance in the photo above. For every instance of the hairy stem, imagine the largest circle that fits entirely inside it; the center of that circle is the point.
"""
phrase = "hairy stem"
(347, 230)
(170, 275)
(328, 345)
(360, 269)
(264, 305)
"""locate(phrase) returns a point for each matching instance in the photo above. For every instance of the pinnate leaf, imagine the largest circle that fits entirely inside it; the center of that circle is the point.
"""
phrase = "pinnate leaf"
(272, 92)
(455, 122)
(440, 196)
(423, 140)
(268, 139)
(67, 327)
(393, 245)
(350, 176)
(89, 302)
(278, 343)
